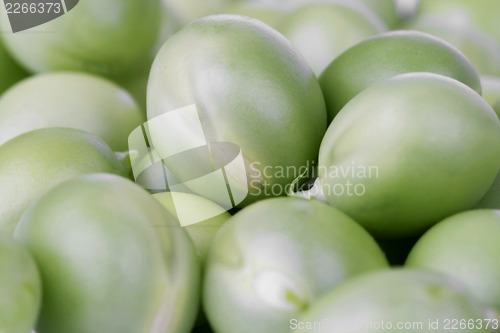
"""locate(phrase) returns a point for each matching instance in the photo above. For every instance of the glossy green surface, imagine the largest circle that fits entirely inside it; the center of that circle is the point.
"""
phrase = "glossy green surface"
(111, 259)
(408, 152)
(465, 246)
(275, 258)
(387, 55)
(32, 163)
(251, 88)
(20, 288)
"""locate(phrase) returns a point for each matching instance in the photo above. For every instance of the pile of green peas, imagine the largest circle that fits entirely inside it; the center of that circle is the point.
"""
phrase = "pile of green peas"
(358, 143)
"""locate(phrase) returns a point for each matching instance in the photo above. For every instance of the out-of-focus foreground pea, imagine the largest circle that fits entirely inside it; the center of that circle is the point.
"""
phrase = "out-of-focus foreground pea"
(274, 259)
(10, 71)
(70, 99)
(399, 300)
(323, 31)
(200, 217)
(251, 88)
(119, 34)
(20, 288)
(32, 163)
(465, 246)
(111, 259)
(408, 152)
(387, 55)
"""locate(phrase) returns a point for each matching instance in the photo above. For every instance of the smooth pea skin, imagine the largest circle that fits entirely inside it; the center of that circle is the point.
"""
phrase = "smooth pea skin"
(32, 163)
(465, 246)
(107, 38)
(20, 288)
(70, 99)
(387, 55)
(10, 71)
(111, 259)
(200, 217)
(398, 300)
(321, 32)
(408, 152)
(275, 258)
(251, 88)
